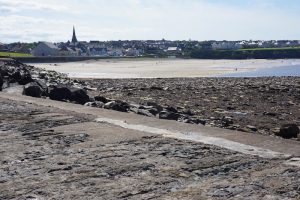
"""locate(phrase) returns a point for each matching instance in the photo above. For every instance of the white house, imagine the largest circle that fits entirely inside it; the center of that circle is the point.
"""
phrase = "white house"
(46, 49)
(173, 50)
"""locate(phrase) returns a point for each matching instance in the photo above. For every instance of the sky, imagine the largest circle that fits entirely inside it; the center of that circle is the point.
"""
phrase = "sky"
(53, 20)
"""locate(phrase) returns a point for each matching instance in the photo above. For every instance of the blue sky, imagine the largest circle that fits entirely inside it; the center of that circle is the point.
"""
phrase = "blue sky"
(52, 20)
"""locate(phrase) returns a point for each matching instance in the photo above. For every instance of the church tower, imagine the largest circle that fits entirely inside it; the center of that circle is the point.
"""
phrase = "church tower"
(74, 38)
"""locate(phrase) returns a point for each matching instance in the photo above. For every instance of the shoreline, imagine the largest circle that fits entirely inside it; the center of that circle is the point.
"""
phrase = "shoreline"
(161, 68)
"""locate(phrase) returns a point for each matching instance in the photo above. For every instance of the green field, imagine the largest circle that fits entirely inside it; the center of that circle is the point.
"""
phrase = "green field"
(266, 49)
(12, 54)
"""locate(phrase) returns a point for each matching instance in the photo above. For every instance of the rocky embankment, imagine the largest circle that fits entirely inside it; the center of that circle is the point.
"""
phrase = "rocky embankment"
(259, 105)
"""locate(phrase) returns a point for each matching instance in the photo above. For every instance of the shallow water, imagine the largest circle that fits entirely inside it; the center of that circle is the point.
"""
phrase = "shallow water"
(291, 70)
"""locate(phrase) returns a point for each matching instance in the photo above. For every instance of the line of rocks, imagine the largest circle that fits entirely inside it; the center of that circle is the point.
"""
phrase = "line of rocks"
(41, 83)
(150, 109)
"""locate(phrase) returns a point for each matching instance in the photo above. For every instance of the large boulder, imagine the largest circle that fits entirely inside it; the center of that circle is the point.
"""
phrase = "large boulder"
(288, 131)
(22, 78)
(26, 78)
(60, 93)
(43, 85)
(32, 89)
(79, 96)
(63, 93)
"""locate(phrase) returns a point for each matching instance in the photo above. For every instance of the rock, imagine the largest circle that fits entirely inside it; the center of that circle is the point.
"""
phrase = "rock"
(97, 104)
(156, 88)
(101, 98)
(272, 114)
(171, 109)
(25, 78)
(198, 121)
(90, 88)
(90, 104)
(153, 111)
(252, 128)
(187, 112)
(155, 105)
(226, 121)
(185, 120)
(33, 90)
(288, 131)
(15, 77)
(79, 96)
(60, 93)
(110, 105)
(145, 113)
(168, 115)
(117, 105)
(22, 78)
(137, 106)
(43, 85)
(43, 75)
(276, 130)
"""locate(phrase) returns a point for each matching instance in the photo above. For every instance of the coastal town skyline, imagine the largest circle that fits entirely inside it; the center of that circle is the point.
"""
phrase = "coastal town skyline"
(149, 20)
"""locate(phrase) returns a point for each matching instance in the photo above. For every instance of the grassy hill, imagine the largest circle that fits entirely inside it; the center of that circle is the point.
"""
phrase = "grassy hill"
(269, 49)
(13, 54)
(258, 53)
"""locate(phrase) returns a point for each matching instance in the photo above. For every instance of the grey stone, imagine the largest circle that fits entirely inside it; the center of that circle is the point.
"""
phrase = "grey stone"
(33, 90)
(169, 115)
(252, 128)
(288, 131)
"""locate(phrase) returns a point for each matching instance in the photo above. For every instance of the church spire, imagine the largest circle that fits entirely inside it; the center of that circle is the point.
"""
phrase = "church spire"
(74, 38)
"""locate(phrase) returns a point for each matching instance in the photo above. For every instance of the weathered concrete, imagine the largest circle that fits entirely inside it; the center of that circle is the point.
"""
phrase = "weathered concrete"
(55, 150)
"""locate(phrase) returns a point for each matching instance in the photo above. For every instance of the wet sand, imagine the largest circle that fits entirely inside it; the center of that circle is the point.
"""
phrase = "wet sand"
(160, 68)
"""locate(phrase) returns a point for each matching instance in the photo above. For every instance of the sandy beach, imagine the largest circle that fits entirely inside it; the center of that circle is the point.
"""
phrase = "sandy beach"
(160, 68)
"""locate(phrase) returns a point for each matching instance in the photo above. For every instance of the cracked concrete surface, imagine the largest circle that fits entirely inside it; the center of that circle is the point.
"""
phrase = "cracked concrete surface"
(49, 152)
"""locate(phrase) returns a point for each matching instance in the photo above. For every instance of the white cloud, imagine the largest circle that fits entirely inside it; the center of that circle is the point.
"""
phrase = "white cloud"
(21, 5)
(33, 20)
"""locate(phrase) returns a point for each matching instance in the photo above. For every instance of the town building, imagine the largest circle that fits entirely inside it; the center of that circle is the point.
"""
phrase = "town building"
(46, 49)
(226, 45)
